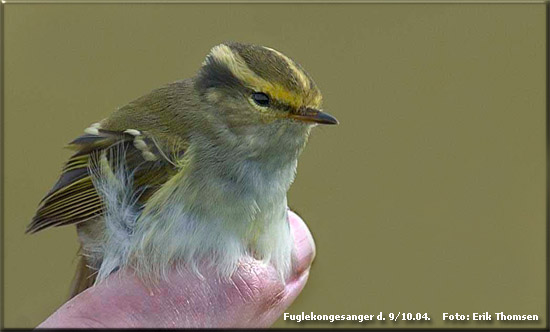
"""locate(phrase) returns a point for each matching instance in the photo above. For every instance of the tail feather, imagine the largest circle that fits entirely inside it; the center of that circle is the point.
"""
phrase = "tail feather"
(83, 279)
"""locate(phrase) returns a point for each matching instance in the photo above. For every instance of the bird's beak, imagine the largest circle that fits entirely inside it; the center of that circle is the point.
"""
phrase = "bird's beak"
(308, 114)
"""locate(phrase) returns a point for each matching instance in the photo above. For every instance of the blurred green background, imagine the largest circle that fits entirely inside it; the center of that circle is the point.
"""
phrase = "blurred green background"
(433, 190)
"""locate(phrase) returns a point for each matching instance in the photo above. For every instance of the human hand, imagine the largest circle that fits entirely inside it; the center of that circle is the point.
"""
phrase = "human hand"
(254, 297)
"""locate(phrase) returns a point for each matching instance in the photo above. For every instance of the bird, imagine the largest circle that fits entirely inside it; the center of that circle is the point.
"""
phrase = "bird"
(194, 172)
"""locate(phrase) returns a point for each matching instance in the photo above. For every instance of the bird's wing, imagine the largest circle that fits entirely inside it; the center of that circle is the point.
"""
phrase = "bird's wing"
(74, 199)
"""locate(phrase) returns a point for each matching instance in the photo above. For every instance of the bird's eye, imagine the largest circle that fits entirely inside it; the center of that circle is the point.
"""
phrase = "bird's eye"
(261, 99)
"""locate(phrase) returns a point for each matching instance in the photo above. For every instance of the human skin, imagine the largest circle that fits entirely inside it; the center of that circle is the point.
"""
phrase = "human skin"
(253, 297)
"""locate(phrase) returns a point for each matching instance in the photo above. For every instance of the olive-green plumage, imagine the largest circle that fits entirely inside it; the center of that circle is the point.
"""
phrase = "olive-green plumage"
(74, 199)
(194, 171)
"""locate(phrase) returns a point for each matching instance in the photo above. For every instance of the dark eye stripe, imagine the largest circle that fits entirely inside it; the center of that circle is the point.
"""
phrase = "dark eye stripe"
(281, 106)
(261, 99)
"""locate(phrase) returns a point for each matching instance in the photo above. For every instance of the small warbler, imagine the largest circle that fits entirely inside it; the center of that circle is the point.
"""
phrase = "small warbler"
(195, 171)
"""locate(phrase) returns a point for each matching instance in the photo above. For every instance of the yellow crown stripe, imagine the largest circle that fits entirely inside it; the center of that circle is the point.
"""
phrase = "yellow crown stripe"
(314, 100)
(302, 78)
(240, 69)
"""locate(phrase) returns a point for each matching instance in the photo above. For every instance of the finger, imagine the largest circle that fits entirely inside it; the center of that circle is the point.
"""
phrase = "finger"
(253, 297)
(304, 256)
(303, 243)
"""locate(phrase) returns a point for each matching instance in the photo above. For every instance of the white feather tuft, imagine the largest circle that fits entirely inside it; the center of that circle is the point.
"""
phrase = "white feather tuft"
(114, 183)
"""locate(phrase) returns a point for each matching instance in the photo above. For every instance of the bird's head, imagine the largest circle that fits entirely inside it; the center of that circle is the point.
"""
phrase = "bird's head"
(253, 85)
